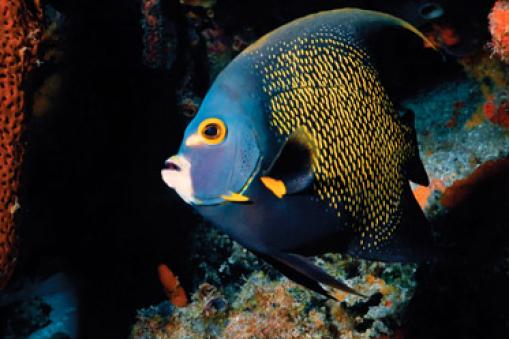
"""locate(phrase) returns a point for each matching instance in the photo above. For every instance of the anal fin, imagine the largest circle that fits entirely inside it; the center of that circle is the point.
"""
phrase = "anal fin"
(303, 271)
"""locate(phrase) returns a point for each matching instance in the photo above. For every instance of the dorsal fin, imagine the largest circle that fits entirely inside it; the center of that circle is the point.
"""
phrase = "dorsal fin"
(395, 48)
(398, 51)
(373, 21)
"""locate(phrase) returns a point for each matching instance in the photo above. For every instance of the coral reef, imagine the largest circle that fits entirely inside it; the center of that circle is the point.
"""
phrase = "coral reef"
(159, 40)
(442, 35)
(453, 151)
(497, 111)
(266, 308)
(499, 29)
(20, 38)
(205, 51)
(253, 300)
(422, 193)
(458, 192)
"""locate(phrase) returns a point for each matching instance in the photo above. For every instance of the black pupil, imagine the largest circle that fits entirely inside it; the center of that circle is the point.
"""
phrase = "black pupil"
(211, 130)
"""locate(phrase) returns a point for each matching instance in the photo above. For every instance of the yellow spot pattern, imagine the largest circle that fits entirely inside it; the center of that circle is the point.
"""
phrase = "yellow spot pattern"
(327, 85)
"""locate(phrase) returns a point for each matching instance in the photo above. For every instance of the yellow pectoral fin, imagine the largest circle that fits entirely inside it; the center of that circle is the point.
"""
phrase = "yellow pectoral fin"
(235, 197)
(275, 186)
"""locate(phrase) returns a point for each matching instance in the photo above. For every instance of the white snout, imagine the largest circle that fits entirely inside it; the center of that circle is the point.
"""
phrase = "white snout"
(177, 175)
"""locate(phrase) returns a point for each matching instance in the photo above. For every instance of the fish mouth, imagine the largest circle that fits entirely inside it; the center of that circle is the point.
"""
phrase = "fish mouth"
(176, 174)
(171, 165)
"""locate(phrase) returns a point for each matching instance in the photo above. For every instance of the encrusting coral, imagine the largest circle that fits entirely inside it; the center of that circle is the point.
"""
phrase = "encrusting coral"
(20, 36)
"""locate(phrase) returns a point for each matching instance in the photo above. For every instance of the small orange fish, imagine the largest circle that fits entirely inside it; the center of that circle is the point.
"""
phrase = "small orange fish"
(172, 287)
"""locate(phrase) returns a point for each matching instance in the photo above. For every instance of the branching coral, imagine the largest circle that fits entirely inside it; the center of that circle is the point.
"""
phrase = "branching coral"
(20, 34)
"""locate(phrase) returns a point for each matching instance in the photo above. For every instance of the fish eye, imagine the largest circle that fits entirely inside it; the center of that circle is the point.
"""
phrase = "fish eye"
(212, 130)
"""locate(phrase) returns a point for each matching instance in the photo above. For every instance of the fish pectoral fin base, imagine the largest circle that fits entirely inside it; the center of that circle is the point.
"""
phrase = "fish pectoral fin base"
(292, 172)
(303, 271)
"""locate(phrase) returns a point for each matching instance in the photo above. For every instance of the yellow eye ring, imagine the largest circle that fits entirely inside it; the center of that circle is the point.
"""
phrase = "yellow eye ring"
(212, 130)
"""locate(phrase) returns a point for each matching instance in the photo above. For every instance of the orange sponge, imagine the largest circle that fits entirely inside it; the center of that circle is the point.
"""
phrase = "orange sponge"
(19, 39)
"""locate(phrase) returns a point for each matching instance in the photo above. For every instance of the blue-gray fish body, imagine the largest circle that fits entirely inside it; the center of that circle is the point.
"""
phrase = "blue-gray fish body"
(300, 149)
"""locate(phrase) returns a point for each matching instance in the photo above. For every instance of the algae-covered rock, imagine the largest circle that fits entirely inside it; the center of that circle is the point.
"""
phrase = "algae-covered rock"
(268, 308)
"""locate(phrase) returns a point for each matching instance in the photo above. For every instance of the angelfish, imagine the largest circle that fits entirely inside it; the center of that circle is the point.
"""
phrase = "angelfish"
(300, 148)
